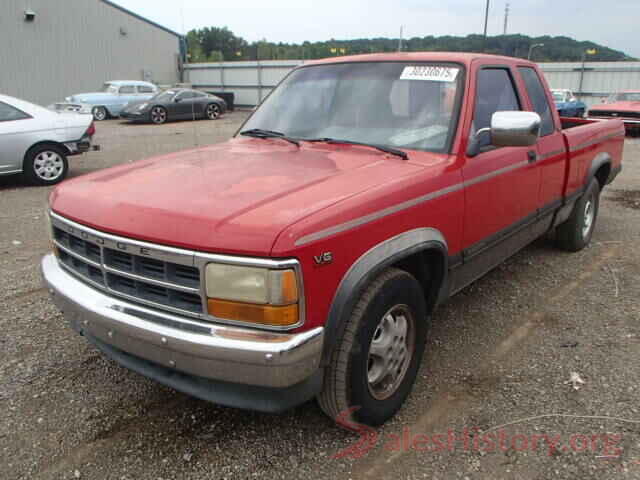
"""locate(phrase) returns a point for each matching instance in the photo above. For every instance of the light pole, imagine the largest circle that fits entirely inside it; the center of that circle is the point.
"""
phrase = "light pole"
(486, 21)
(590, 51)
(535, 45)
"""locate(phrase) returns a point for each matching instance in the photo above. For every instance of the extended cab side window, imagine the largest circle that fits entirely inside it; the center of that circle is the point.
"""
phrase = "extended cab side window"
(538, 99)
(144, 89)
(495, 93)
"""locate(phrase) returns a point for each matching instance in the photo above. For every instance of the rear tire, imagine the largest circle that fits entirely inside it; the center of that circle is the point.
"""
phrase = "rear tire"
(375, 362)
(100, 113)
(212, 112)
(46, 165)
(576, 232)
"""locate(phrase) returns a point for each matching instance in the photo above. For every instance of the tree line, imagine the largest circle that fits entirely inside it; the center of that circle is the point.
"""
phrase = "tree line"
(216, 44)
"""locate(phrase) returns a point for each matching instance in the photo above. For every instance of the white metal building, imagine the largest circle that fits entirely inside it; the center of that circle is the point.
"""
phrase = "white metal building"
(252, 81)
(54, 48)
(599, 79)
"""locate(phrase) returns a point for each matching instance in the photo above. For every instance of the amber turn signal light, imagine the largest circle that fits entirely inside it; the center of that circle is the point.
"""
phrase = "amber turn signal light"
(270, 315)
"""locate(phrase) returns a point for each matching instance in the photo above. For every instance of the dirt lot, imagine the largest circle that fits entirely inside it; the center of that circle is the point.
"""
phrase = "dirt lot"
(500, 353)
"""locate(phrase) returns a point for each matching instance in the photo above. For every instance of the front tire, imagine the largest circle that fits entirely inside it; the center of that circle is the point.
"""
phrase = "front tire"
(100, 113)
(46, 165)
(576, 232)
(375, 362)
(158, 115)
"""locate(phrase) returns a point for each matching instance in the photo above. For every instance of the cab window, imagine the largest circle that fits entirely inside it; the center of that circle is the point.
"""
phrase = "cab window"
(538, 98)
(128, 89)
(495, 93)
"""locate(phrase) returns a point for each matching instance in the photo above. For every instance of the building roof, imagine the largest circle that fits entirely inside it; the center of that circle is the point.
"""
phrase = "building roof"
(140, 17)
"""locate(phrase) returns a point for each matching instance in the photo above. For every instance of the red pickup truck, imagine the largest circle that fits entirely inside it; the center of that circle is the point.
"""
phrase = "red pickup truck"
(304, 257)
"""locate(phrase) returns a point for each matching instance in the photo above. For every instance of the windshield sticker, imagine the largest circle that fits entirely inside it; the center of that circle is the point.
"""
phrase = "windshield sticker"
(429, 73)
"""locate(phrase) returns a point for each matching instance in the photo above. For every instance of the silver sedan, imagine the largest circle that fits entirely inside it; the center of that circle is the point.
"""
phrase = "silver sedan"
(36, 142)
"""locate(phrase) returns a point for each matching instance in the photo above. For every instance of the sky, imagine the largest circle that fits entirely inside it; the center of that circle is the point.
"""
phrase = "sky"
(614, 23)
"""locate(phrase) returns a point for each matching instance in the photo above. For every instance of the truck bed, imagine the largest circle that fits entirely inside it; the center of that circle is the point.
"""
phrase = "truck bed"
(584, 141)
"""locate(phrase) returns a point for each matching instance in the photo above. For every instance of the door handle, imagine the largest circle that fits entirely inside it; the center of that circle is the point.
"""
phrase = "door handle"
(532, 156)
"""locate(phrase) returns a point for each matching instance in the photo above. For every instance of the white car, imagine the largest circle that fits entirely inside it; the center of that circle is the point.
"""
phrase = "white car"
(36, 141)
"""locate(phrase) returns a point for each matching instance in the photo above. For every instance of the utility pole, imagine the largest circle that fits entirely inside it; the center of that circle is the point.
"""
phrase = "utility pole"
(400, 40)
(506, 18)
(486, 21)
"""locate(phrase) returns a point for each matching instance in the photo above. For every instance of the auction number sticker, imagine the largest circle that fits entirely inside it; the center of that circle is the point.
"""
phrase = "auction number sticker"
(430, 73)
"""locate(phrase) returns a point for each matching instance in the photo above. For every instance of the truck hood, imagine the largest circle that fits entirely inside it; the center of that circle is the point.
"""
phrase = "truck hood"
(617, 106)
(234, 197)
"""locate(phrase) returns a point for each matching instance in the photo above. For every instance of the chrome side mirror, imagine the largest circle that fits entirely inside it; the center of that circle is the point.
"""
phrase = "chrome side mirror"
(508, 129)
(515, 129)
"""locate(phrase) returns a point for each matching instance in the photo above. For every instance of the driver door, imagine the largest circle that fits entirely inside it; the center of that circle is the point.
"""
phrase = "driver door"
(501, 184)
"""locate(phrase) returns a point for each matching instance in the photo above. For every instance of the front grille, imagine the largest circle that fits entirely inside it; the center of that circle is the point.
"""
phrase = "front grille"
(115, 266)
(614, 114)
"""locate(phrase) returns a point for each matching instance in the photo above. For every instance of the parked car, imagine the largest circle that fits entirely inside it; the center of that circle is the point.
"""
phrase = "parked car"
(567, 104)
(61, 107)
(175, 104)
(304, 257)
(115, 95)
(36, 141)
(624, 105)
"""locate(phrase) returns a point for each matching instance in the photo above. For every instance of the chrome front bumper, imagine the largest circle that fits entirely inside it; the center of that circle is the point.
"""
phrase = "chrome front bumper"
(204, 350)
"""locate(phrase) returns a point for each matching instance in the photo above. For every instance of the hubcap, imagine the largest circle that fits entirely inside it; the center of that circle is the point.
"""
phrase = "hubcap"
(99, 114)
(589, 214)
(158, 115)
(213, 111)
(48, 165)
(390, 352)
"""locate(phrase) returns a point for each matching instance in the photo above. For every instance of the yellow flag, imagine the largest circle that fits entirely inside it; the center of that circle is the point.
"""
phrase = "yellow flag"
(333, 50)
(592, 51)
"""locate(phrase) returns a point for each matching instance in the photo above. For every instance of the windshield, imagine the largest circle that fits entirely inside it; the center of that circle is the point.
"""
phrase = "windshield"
(558, 96)
(165, 96)
(407, 105)
(108, 88)
(625, 97)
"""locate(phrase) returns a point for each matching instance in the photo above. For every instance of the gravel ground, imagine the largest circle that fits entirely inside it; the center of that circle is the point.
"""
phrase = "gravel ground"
(500, 352)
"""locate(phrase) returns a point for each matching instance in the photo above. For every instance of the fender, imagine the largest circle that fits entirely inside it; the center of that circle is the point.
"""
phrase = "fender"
(603, 158)
(367, 267)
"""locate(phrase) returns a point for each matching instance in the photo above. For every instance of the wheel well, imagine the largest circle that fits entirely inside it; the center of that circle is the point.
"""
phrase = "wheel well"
(59, 146)
(602, 174)
(428, 267)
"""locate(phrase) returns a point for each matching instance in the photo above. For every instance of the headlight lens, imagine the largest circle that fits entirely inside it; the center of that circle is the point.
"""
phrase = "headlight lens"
(253, 294)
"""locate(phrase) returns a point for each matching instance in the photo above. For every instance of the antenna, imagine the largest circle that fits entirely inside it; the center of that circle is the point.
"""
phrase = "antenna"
(506, 18)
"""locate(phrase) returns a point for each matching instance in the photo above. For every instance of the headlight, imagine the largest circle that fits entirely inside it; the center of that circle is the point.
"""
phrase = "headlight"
(142, 106)
(252, 294)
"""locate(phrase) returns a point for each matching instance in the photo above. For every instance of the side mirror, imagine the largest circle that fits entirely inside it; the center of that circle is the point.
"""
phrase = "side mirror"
(177, 100)
(509, 129)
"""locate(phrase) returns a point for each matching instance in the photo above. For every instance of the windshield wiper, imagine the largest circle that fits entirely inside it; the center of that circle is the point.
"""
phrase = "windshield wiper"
(382, 148)
(260, 133)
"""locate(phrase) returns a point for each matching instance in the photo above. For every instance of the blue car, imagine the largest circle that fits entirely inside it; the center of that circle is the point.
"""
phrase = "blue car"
(567, 104)
(115, 95)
